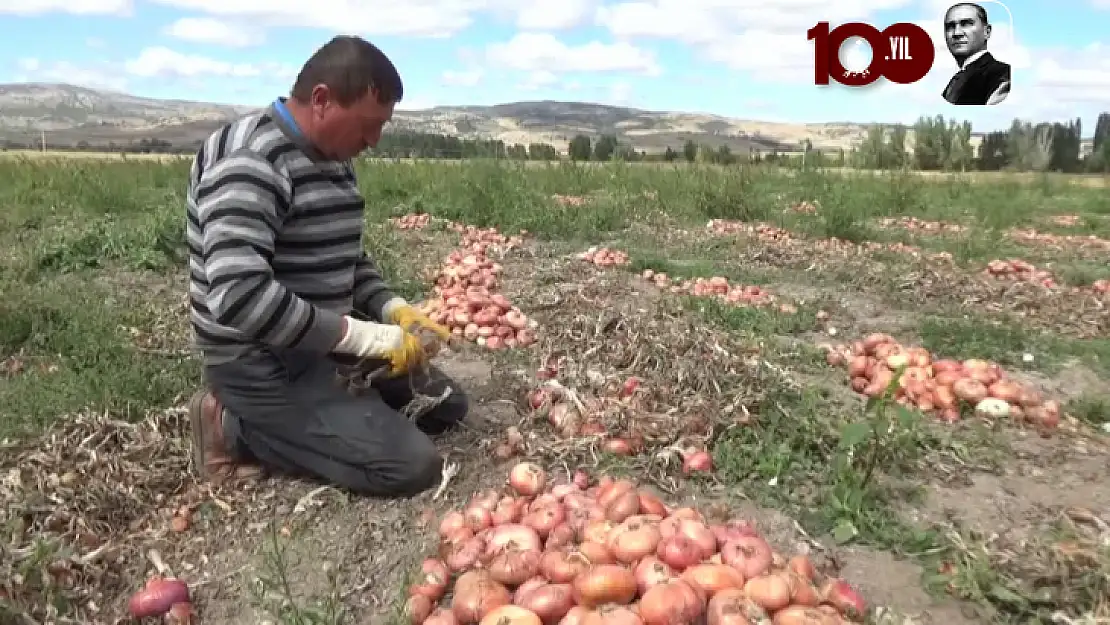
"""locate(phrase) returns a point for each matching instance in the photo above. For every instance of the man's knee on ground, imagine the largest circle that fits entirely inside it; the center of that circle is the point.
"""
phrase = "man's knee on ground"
(419, 472)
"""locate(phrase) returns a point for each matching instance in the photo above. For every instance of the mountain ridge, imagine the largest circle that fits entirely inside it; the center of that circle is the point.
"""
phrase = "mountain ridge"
(71, 115)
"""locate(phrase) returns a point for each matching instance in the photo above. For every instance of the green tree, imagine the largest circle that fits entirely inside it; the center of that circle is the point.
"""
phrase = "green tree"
(690, 151)
(604, 148)
(579, 148)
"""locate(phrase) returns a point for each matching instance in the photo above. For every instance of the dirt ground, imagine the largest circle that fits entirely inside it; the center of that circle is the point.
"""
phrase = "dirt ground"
(278, 547)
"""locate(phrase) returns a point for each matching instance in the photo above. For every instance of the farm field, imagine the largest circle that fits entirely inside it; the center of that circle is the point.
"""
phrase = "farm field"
(936, 512)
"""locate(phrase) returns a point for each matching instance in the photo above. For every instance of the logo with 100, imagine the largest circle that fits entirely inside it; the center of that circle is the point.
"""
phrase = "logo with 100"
(910, 53)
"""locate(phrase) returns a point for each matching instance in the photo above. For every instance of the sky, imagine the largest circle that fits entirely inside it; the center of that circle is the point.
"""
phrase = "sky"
(748, 59)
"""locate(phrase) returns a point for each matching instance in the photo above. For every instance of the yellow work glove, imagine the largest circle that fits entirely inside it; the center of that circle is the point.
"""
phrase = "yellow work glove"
(411, 354)
(366, 340)
(412, 320)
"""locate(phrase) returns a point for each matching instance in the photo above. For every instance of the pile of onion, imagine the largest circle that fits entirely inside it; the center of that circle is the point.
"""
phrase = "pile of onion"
(549, 401)
(763, 232)
(411, 221)
(921, 225)
(612, 553)
(1017, 270)
(1102, 287)
(604, 257)
(717, 287)
(940, 387)
(484, 240)
(477, 314)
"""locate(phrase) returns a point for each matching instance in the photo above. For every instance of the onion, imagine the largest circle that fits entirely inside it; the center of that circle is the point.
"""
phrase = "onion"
(1006, 391)
(632, 540)
(713, 578)
(679, 552)
(803, 566)
(771, 592)
(733, 607)
(550, 602)
(476, 594)
(157, 597)
(676, 602)
(452, 521)
(970, 390)
(514, 567)
(604, 583)
(545, 518)
(751, 555)
(623, 506)
(512, 536)
(650, 504)
(992, 408)
(418, 608)
(697, 462)
(527, 478)
(433, 584)
(441, 617)
(801, 615)
(840, 594)
(612, 615)
(564, 565)
(651, 571)
(511, 615)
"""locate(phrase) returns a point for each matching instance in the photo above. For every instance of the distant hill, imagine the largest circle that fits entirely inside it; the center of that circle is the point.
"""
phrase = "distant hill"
(71, 115)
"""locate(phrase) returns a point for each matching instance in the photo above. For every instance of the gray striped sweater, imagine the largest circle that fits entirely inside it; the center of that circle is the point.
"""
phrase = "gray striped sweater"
(275, 243)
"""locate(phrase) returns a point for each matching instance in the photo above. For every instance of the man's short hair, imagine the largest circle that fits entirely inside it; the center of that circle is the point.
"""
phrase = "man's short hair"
(350, 67)
(978, 9)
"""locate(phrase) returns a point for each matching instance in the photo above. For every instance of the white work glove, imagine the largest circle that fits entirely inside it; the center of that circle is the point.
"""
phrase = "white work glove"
(369, 340)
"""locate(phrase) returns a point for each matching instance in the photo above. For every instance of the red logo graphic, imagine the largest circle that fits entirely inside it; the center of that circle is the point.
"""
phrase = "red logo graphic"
(902, 53)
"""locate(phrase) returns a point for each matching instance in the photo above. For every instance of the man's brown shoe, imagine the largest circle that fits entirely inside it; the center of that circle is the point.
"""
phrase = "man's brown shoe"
(212, 459)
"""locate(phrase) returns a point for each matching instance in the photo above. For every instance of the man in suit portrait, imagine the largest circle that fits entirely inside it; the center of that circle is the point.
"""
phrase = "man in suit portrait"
(982, 79)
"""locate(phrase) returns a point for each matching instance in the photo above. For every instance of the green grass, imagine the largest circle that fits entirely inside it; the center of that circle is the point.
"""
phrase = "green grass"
(92, 267)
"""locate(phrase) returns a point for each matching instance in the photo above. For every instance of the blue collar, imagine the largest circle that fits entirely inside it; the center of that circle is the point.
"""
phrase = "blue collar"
(287, 117)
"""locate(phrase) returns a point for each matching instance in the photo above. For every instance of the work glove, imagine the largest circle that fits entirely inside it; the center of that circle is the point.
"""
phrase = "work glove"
(412, 320)
(367, 340)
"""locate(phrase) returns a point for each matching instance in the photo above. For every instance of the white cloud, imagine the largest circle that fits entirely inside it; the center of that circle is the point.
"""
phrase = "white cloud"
(96, 76)
(416, 18)
(212, 31)
(554, 14)
(542, 51)
(160, 62)
(466, 78)
(74, 7)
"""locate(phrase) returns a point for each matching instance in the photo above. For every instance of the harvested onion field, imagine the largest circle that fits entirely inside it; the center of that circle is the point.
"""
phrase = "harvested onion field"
(903, 379)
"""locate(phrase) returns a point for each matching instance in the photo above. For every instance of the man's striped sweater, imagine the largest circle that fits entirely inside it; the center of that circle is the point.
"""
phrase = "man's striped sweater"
(275, 243)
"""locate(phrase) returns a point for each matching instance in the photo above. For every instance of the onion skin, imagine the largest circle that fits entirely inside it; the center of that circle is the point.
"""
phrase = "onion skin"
(442, 616)
(476, 594)
(157, 597)
(433, 584)
(713, 578)
(418, 608)
(550, 602)
(751, 555)
(527, 478)
(605, 583)
(676, 602)
(510, 615)
(733, 607)
(770, 592)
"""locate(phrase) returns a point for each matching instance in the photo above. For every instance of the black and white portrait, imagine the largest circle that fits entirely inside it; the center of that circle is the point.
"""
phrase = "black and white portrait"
(981, 79)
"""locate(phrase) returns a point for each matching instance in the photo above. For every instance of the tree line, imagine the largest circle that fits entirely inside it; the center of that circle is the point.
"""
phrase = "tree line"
(945, 145)
(931, 144)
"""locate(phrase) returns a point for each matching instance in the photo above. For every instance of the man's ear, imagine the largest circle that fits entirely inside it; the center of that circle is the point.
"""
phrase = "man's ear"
(987, 30)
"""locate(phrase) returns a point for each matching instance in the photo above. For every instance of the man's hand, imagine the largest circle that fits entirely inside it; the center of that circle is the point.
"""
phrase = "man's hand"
(367, 340)
(412, 320)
